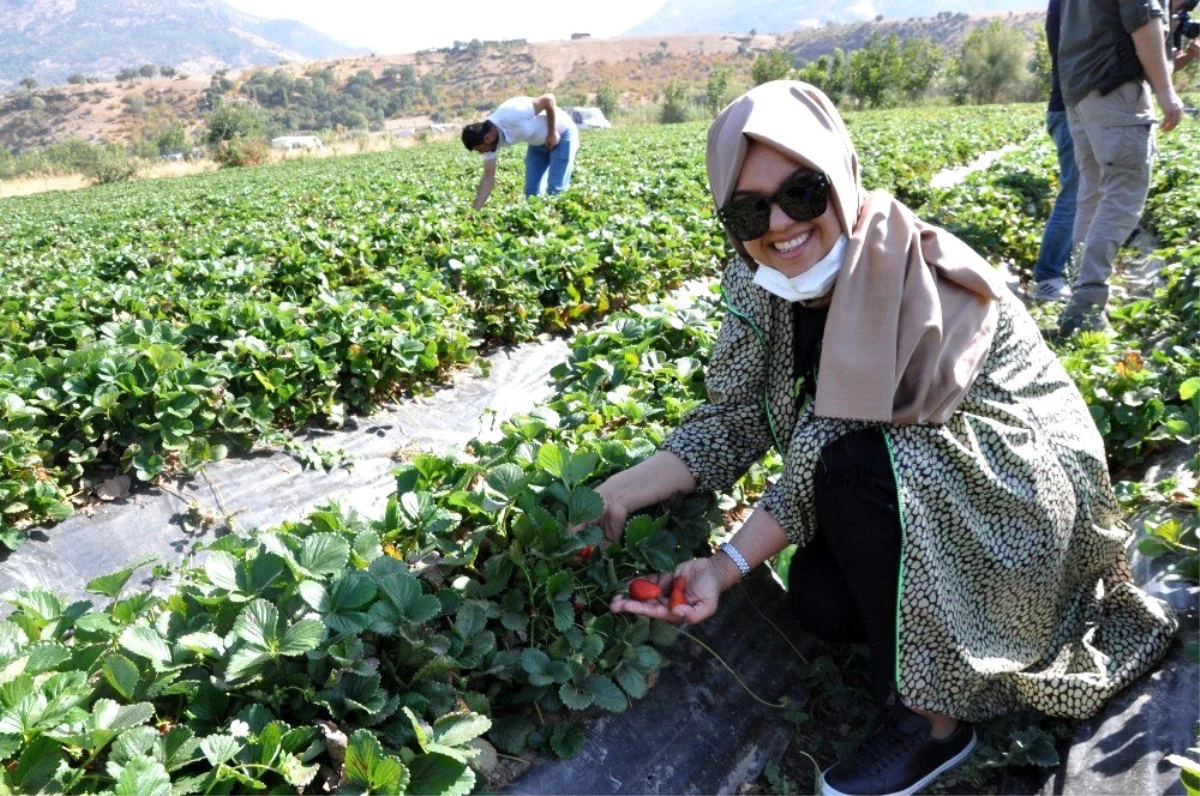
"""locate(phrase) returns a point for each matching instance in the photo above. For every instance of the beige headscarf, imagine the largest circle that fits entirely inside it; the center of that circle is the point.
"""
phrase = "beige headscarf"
(913, 311)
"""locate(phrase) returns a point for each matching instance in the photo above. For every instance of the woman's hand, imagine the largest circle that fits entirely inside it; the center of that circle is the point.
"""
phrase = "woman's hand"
(705, 582)
(646, 483)
(616, 512)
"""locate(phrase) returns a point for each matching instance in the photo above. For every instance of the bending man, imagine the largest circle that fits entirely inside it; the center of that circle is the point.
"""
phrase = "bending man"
(538, 122)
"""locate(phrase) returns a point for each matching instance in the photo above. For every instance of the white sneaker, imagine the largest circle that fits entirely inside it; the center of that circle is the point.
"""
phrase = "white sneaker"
(1051, 290)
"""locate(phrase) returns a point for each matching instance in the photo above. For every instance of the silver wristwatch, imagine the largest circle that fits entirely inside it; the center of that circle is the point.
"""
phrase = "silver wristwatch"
(736, 557)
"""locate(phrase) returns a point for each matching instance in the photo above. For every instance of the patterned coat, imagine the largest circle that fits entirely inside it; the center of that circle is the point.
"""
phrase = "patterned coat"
(1014, 587)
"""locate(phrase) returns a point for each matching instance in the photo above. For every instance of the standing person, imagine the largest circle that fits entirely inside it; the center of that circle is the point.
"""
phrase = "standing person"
(550, 133)
(1049, 273)
(942, 476)
(1111, 55)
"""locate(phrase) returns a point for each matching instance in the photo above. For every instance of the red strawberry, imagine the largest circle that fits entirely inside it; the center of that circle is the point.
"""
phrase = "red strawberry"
(642, 589)
(677, 597)
(587, 551)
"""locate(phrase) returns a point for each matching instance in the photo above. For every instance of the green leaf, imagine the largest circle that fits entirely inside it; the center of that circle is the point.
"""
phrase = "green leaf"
(220, 749)
(471, 618)
(44, 656)
(258, 624)
(36, 765)
(632, 680)
(440, 774)
(605, 693)
(111, 585)
(352, 590)
(121, 674)
(567, 740)
(508, 479)
(148, 643)
(575, 697)
(108, 715)
(246, 662)
(511, 733)
(585, 506)
(551, 458)
(367, 766)
(578, 467)
(222, 571)
(1190, 388)
(324, 553)
(305, 635)
(143, 776)
(457, 729)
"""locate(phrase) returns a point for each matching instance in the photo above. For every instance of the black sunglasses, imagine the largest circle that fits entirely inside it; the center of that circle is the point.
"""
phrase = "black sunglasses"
(804, 195)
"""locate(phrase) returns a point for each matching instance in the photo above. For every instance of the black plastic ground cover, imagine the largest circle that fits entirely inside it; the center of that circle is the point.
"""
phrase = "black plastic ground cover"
(697, 730)
(1121, 750)
(267, 488)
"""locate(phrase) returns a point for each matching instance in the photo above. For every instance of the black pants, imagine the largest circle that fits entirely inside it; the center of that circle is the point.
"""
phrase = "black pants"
(842, 586)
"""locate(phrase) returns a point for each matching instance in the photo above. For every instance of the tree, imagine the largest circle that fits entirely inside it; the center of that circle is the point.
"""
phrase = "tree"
(877, 72)
(828, 73)
(716, 93)
(993, 63)
(1040, 65)
(29, 83)
(77, 79)
(166, 71)
(171, 138)
(148, 70)
(607, 100)
(774, 64)
(126, 73)
(924, 61)
(674, 109)
(235, 121)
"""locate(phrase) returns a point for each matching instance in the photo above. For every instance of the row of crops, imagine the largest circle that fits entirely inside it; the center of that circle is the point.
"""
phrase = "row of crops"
(394, 654)
(152, 327)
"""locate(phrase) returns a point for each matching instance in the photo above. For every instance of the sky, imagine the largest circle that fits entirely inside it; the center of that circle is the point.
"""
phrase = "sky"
(397, 26)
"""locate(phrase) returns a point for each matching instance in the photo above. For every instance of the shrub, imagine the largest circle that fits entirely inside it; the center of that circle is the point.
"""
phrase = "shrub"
(242, 152)
(235, 121)
(110, 165)
(675, 106)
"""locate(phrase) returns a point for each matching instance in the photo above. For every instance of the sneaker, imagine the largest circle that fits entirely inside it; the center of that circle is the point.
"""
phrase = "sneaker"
(901, 757)
(1051, 290)
(1082, 317)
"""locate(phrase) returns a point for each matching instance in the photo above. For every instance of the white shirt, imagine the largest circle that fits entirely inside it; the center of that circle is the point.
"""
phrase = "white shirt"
(518, 123)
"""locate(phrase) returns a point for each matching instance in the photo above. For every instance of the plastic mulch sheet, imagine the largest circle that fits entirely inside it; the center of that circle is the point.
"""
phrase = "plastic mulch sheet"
(265, 488)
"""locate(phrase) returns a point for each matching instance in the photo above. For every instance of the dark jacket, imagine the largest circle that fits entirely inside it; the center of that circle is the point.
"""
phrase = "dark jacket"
(1095, 45)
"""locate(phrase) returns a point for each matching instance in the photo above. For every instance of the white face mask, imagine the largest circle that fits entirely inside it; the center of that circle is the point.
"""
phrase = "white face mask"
(813, 283)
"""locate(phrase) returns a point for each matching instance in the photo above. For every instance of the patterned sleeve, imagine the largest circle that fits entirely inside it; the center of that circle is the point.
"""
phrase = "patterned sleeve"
(719, 440)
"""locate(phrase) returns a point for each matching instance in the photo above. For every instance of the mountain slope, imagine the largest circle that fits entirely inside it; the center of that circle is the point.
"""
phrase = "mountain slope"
(52, 39)
(780, 16)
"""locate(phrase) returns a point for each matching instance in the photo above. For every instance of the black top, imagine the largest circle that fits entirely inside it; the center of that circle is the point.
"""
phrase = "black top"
(808, 328)
(1095, 44)
(1053, 13)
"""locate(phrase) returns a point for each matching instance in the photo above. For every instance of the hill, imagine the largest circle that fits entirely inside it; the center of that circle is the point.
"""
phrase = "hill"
(782, 16)
(53, 39)
(459, 84)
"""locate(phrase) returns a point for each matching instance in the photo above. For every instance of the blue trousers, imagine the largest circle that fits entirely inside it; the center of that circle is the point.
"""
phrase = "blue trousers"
(1056, 240)
(558, 162)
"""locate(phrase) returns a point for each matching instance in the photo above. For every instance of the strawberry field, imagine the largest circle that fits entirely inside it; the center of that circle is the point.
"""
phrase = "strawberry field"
(155, 327)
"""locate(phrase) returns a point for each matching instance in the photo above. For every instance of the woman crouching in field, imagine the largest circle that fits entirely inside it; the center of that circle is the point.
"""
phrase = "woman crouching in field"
(942, 476)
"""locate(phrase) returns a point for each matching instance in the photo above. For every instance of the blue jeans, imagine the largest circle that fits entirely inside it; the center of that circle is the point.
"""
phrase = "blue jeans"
(558, 161)
(1056, 240)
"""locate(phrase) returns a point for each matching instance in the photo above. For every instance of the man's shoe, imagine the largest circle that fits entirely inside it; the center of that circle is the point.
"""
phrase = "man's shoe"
(1080, 316)
(1051, 290)
(899, 758)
